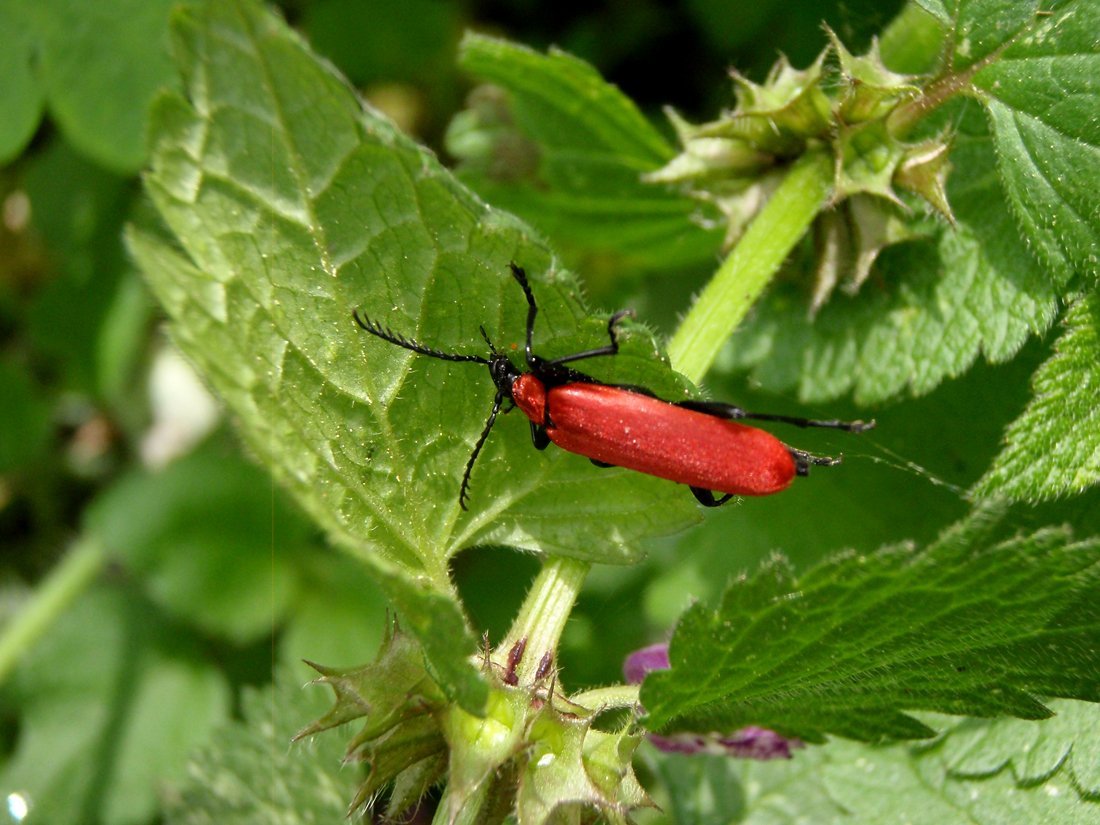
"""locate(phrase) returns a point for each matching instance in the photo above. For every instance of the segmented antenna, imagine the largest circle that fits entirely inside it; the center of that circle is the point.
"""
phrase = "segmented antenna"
(464, 490)
(386, 334)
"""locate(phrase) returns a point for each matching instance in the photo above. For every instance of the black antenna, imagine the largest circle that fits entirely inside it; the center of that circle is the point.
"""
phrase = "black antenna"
(464, 490)
(387, 334)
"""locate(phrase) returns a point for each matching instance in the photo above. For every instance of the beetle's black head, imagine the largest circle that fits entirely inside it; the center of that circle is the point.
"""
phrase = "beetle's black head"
(504, 373)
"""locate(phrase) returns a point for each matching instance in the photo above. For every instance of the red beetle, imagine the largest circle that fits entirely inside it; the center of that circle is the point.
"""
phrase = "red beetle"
(697, 443)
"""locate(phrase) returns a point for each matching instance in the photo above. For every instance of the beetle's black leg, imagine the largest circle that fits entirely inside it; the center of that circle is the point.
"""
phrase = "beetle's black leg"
(804, 460)
(539, 437)
(610, 349)
(387, 334)
(532, 309)
(463, 492)
(707, 499)
(602, 464)
(736, 413)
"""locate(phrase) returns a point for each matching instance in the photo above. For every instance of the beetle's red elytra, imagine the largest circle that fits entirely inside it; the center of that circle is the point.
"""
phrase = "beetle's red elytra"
(698, 443)
(623, 428)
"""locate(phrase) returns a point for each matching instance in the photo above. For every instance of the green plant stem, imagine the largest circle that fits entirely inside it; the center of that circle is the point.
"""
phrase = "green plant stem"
(613, 696)
(544, 613)
(65, 582)
(753, 262)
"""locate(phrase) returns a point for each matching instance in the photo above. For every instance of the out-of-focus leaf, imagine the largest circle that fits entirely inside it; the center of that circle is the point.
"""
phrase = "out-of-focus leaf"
(566, 150)
(377, 40)
(212, 543)
(24, 419)
(21, 96)
(250, 774)
(77, 210)
(111, 701)
(101, 64)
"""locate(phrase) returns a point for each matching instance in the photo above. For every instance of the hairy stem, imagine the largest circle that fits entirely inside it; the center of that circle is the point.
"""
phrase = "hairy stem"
(543, 616)
(613, 696)
(751, 265)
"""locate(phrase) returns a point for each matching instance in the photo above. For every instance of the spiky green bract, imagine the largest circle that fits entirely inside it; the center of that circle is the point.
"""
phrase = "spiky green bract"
(533, 753)
(964, 626)
(1013, 213)
(733, 160)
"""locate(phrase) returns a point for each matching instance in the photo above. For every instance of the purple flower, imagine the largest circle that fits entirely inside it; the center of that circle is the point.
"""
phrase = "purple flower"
(640, 662)
(748, 743)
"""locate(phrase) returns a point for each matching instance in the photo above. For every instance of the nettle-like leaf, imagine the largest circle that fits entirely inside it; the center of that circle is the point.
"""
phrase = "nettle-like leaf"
(1068, 742)
(960, 627)
(284, 204)
(566, 150)
(1041, 95)
(1002, 772)
(968, 290)
(873, 785)
(980, 27)
(1053, 448)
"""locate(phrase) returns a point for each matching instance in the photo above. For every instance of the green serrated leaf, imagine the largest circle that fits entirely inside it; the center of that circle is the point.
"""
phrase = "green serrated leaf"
(960, 627)
(1041, 97)
(291, 205)
(394, 235)
(1053, 448)
(1035, 751)
(845, 782)
(566, 150)
(208, 541)
(874, 784)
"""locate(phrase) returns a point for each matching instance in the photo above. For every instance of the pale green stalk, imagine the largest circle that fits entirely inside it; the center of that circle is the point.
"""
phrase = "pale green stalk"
(751, 265)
